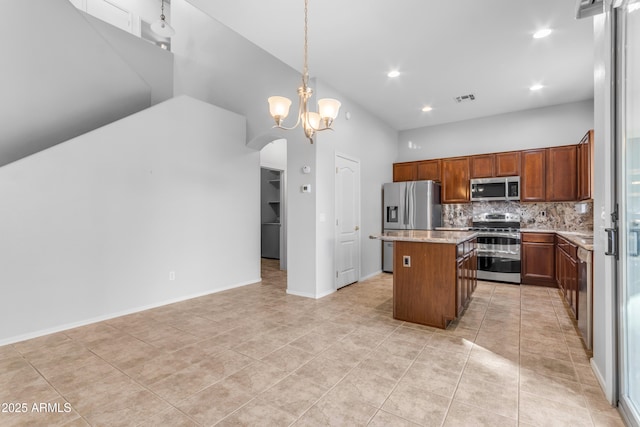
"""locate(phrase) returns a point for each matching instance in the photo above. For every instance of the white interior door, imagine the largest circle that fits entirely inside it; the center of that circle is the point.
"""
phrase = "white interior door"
(347, 221)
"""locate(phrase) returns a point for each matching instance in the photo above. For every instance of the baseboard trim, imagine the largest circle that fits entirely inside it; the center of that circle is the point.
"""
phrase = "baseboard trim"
(85, 322)
(369, 276)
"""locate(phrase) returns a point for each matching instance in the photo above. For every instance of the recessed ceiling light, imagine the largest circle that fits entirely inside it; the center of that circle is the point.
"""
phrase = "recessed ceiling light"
(536, 87)
(427, 108)
(542, 33)
(394, 73)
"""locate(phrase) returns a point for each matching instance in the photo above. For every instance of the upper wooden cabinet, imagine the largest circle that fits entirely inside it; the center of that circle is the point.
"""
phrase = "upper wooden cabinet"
(585, 167)
(429, 170)
(455, 180)
(405, 171)
(508, 164)
(533, 177)
(562, 173)
(483, 166)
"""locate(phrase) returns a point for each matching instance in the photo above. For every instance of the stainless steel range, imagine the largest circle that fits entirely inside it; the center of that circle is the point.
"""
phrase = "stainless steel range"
(498, 246)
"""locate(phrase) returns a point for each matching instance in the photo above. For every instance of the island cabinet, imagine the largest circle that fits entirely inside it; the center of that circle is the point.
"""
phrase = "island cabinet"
(585, 167)
(562, 174)
(567, 272)
(533, 177)
(406, 171)
(432, 282)
(455, 180)
(466, 270)
(538, 259)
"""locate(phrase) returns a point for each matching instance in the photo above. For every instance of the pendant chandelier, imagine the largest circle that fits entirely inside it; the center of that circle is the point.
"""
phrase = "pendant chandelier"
(160, 27)
(312, 122)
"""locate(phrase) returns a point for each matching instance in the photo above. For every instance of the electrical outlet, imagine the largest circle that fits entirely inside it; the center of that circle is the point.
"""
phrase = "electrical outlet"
(406, 261)
(172, 275)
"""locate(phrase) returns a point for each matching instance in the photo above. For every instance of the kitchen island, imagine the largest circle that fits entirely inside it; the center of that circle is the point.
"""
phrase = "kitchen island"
(434, 274)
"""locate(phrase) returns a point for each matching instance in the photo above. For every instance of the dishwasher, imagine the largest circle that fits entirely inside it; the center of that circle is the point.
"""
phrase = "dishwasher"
(585, 295)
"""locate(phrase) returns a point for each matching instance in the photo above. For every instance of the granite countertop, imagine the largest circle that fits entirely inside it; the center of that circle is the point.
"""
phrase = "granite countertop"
(582, 239)
(453, 228)
(426, 236)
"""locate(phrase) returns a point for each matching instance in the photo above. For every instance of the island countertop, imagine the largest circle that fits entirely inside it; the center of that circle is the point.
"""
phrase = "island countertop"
(426, 236)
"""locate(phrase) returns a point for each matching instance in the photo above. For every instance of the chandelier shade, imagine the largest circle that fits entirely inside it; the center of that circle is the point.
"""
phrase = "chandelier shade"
(311, 121)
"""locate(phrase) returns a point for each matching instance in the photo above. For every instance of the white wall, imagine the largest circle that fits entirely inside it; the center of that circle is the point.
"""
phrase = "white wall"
(217, 65)
(92, 227)
(367, 139)
(153, 64)
(60, 80)
(274, 155)
(541, 127)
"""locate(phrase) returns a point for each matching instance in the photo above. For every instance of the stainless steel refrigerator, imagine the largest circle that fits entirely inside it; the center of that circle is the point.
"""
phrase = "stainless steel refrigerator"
(410, 205)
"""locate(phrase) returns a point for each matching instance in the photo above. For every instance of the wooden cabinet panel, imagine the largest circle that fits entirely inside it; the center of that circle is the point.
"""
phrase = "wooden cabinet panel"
(455, 180)
(429, 170)
(508, 164)
(533, 178)
(562, 173)
(405, 171)
(538, 259)
(585, 167)
(425, 291)
(483, 166)
(568, 272)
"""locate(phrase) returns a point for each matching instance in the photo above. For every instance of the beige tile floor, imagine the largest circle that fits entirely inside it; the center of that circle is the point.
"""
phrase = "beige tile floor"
(257, 356)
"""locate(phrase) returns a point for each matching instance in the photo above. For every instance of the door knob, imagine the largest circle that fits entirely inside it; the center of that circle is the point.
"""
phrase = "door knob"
(357, 228)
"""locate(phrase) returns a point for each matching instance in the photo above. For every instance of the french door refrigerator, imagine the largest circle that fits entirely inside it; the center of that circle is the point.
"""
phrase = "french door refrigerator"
(410, 205)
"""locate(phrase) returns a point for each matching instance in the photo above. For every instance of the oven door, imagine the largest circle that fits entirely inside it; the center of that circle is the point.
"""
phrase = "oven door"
(499, 256)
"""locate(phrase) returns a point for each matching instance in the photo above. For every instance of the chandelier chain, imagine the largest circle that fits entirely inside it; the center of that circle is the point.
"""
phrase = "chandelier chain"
(305, 70)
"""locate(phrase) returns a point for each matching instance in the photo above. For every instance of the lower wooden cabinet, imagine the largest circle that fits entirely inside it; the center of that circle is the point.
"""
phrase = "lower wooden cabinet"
(567, 272)
(538, 259)
(467, 264)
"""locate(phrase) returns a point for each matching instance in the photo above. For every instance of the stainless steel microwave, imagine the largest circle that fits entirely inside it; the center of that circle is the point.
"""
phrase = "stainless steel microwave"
(487, 189)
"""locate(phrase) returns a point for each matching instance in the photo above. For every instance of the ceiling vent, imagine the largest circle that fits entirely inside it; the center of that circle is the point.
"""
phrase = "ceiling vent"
(465, 98)
(587, 8)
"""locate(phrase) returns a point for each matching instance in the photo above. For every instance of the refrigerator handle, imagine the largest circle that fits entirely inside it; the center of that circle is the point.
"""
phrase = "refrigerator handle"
(406, 204)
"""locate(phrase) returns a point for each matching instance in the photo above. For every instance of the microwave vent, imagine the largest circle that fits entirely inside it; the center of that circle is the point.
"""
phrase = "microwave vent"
(465, 98)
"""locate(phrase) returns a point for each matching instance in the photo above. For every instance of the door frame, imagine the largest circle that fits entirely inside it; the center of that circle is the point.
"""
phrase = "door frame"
(335, 215)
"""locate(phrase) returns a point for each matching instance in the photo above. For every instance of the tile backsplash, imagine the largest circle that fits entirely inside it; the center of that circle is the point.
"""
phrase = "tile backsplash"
(565, 216)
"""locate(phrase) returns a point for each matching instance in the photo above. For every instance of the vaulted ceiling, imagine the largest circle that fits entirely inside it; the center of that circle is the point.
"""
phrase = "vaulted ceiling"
(442, 49)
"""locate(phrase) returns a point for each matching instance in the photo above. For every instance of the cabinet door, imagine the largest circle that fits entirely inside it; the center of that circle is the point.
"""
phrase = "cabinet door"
(538, 259)
(562, 173)
(455, 180)
(459, 286)
(429, 170)
(508, 164)
(532, 178)
(483, 166)
(585, 167)
(404, 171)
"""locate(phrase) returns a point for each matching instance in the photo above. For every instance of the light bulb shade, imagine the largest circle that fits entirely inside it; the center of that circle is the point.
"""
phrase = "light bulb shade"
(312, 120)
(328, 108)
(279, 108)
(161, 28)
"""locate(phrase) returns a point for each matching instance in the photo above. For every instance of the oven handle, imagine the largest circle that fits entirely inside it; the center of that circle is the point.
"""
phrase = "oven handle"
(500, 254)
